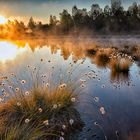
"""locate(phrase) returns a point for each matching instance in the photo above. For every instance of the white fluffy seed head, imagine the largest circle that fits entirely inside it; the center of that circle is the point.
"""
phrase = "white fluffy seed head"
(27, 121)
(46, 122)
(102, 110)
(73, 99)
(55, 106)
(63, 126)
(71, 121)
(27, 93)
(61, 138)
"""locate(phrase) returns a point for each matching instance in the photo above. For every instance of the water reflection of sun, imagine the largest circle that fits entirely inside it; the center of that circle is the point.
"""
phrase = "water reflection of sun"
(3, 20)
(9, 51)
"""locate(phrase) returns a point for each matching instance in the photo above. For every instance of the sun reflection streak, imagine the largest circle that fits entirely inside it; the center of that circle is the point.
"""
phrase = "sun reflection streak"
(9, 51)
(3, 20)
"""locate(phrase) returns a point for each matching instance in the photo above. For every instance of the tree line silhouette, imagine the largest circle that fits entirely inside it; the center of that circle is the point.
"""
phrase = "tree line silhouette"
(109, 20)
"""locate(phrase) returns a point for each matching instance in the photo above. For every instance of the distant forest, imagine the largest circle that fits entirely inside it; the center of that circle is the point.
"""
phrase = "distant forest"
(109, 20)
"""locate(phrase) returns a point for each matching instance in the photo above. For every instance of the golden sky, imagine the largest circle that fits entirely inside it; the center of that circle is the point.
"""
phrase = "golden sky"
(41, 9)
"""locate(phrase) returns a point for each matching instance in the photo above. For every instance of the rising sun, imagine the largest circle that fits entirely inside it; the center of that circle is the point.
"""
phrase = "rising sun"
(3, 20)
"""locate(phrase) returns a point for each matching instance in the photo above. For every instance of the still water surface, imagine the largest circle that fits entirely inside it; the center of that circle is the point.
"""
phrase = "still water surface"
(119, 94)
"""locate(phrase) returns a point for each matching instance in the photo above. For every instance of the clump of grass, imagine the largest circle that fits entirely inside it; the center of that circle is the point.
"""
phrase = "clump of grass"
(120, 66)
(91, 51)
(43, 112)
(128, 49)
(40, 114)
(102, 57)
(136, 53)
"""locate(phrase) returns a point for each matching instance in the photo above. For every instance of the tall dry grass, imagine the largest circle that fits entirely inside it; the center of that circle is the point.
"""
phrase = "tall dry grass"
(41, 112)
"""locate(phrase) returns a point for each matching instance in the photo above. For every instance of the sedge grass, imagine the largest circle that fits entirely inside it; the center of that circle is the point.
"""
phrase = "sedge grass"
(42, 112)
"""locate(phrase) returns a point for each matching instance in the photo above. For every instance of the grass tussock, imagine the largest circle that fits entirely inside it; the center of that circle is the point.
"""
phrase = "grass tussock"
(120, 66)
(40, 114)
(91, 52)
(102, 57)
